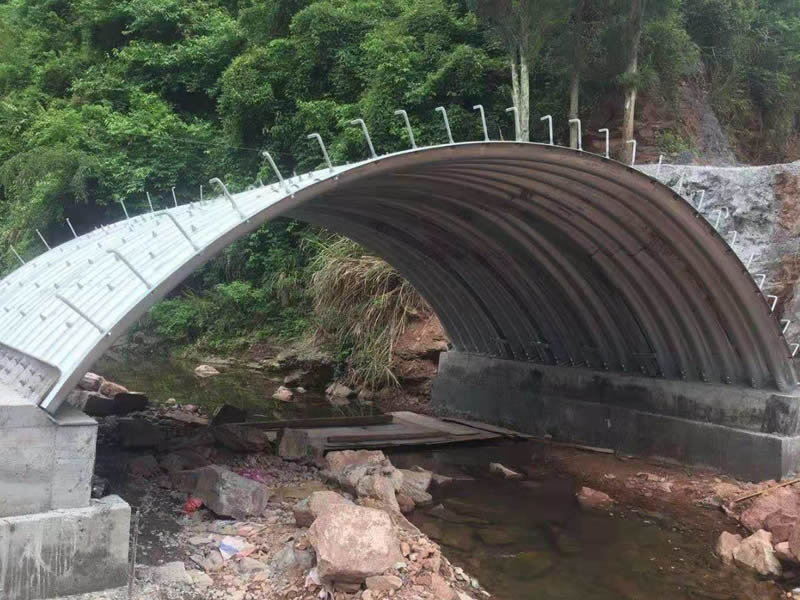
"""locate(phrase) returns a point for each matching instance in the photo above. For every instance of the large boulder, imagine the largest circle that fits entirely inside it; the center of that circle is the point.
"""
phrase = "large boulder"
(783, 500)
(591, 498)
(318, 503)
(353, 543)
(756, 553)
(415, 485)
(341, 459)
(229, 494)
(283, 394)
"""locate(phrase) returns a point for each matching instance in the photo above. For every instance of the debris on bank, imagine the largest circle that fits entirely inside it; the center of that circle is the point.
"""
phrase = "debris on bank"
(246, 524)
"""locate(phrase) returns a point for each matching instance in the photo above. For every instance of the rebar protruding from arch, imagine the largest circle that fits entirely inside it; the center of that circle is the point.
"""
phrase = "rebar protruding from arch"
(125, 210)
(118, 255)
(774, 302)
(735, 237)
(580, 142)
(227, 195)
(785, 327)
(719, 215)
(763, 277)
(633, 152)
(174, 198)
(750, 260)
(410, 131)
(44, 241)
(442, 110)
(272, 164)
(517, 129)
(19, 258)
(479, 107)
(150, 202)
(608, 140)
(549, 119)
(366, 135)
(318, 137)
(702, 200)
(660, 160)
(72, 229)
(795, 347)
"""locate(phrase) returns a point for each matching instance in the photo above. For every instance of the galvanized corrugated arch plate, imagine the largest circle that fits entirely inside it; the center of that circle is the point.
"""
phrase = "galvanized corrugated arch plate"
(525, 251)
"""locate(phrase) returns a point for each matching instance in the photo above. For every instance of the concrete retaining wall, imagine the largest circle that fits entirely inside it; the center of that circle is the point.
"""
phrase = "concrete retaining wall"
(749, 433)
(63, 552)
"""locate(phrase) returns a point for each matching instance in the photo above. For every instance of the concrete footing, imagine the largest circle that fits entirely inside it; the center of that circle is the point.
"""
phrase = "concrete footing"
(751, 434)
(54, 540)
(63, 552)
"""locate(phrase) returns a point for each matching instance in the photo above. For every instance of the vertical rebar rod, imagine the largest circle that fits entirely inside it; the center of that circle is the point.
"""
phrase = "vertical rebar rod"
(479, 107)
(410, 131)
(608, 140)
(549, 119)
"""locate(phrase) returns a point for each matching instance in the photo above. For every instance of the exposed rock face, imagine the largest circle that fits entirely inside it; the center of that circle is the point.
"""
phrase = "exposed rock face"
(726, 544)
(353, 543)
(229, 494)
(204, 371)
(589, 498)
(756, 553)
(315, 505)
(764, 207)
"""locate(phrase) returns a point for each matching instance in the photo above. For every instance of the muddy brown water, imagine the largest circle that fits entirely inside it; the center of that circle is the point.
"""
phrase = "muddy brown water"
(530, 539)
(521, 539)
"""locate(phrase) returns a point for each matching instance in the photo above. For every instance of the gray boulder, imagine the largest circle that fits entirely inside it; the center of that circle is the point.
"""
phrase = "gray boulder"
(229, 494)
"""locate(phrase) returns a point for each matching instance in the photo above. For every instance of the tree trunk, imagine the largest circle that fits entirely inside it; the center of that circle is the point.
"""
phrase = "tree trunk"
(524, 107)
(575, 76)
(634, 38)
(515, 92)
(574, 89)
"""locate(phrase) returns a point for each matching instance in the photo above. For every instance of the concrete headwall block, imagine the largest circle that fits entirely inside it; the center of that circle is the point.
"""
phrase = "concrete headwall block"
(63, 552)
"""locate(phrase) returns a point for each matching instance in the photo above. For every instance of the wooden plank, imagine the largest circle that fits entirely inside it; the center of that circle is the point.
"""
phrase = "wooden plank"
(489, 427)
(378, 436)
(433, 423)
(322, 422)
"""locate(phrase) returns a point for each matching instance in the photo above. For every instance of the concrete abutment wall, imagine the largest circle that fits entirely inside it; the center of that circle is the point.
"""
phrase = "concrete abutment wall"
(751, 434)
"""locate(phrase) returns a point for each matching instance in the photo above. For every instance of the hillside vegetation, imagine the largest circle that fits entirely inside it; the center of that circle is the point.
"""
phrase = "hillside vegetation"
(105, 101)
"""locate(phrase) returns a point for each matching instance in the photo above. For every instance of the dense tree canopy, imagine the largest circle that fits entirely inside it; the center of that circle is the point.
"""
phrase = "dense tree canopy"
(102, 101)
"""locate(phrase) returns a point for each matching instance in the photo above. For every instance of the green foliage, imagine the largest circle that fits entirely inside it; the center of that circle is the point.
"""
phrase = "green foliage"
(670, 142)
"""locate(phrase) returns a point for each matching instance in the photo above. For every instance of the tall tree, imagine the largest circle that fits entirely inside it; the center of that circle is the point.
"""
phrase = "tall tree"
(577, 50)
(522, 26)
(634, 37)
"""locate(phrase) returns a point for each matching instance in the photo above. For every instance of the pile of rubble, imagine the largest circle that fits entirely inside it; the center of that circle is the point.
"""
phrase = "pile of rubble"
(352, 543)
(773, 546)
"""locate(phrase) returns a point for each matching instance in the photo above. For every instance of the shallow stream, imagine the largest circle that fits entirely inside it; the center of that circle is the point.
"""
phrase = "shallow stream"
(522, 539)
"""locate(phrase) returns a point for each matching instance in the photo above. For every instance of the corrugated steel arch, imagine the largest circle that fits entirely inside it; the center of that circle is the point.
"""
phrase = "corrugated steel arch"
(526, 251)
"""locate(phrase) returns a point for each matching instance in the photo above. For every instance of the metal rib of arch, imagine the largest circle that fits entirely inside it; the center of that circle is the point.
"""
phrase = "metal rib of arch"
(525, 251)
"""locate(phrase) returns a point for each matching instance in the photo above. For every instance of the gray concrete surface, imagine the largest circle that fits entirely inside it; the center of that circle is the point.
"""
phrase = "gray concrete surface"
(64, 552)
(748, 433)
(47, 462)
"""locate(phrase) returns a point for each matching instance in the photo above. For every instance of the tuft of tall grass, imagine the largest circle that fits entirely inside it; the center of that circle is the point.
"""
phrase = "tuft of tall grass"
(364, 305)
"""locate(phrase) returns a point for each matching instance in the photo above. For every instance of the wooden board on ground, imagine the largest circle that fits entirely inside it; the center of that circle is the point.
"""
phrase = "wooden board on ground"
(405, 429)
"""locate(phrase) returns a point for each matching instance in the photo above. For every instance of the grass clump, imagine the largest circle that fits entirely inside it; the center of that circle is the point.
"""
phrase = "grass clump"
(362, 305)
